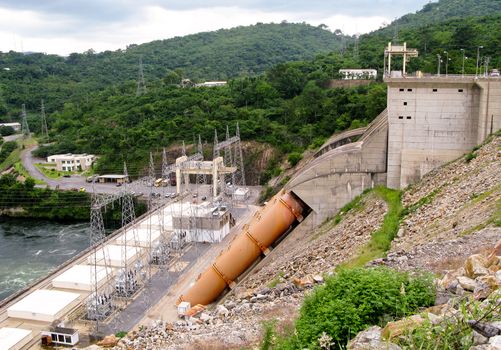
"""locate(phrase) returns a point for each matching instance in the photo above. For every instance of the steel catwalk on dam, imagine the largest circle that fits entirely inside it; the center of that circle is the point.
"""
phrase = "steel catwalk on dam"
(265, 227)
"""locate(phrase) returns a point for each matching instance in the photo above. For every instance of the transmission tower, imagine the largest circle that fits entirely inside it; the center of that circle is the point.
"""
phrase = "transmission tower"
(238, 162)
(228, 158)
(141, 85)
(355, 48)
(128, 280)
(201, 178)
(45, 130)
(25, 128)
(99, 304)
(216, 149)
(151, 170)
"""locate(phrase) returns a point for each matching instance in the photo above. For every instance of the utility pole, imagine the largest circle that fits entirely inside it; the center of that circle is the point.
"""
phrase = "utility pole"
(239, 160)
(439, 59)
(24, 125)
(446, 62)
(462, 67)
(45, 130)
(141, 86)
(478, 59)
(486, 64)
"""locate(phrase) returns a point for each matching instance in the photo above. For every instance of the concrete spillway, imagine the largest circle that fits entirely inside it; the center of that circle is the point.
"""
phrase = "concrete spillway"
(255, 238)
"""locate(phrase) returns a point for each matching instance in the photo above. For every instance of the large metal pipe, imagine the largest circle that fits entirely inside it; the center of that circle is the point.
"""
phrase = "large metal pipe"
(264, 228)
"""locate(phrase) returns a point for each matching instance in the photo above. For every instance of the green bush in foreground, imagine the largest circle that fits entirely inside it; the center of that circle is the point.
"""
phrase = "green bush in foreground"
(351, 301)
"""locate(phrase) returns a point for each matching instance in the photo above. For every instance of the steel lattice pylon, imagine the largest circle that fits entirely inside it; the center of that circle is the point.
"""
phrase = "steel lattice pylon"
(45, 130)
(99, 304)
(238, 162)
(24, 121)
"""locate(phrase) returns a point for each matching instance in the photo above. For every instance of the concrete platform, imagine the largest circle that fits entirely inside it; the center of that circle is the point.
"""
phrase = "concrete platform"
(43, 305)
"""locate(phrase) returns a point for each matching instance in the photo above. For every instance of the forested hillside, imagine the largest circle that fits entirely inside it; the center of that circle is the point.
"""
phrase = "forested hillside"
(223, 54)
(439, 11)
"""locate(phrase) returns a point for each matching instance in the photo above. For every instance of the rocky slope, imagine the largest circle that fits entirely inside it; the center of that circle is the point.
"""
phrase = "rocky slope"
(452, 213)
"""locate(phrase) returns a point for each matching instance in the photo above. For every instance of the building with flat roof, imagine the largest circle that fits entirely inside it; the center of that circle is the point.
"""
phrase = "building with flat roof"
(113, 178)
(72, 162)
(15, 126)
(356, 74)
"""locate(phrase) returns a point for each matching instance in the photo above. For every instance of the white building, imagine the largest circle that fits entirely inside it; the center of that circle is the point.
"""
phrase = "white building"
(356, 74)
(211, 84)
(15, 126)
(72, 162)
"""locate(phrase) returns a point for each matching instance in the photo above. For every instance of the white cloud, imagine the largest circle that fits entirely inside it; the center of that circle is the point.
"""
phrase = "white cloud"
(62, 34)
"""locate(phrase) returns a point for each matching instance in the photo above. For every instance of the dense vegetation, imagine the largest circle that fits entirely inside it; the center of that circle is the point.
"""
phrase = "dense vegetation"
(6, 149)
(349, 302)
(286, 107)
(42, 203)
(439, 11)
(23, 199)
(223, 54)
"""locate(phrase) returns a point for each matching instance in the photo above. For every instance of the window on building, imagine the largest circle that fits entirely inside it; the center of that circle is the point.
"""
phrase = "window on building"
(460, 90)
(400, 117)
(435, 90)
(67, 339)
(401, 89)
(60, 338)
(409, 89)
(405, 103)
(408, 117)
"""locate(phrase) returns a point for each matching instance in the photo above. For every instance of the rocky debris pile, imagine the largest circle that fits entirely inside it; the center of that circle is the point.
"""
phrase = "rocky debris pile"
(474, 286)
(441, 256)
(323, 249)
(454, 200)
(235, 323)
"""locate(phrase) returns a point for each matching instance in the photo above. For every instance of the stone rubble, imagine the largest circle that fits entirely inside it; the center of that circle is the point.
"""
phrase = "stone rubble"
(436, 237)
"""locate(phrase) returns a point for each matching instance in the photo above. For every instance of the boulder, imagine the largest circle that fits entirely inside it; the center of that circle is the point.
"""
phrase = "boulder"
(488, 330)
(467, 283)
(397, 328)
(496, 251)
(475, 266)
(108, 341)
(485, 286)
(495, 342)
(370, 339)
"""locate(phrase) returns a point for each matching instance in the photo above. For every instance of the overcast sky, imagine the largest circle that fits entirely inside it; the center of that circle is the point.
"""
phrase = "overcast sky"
(65, 26)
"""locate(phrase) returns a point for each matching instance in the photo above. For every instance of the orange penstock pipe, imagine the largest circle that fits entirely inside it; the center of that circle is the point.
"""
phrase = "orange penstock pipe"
(264, 228)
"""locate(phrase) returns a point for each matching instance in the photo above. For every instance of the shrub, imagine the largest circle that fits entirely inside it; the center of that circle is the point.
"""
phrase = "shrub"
(7, 130)
(294, 158)
(357, 298)
(470, 156)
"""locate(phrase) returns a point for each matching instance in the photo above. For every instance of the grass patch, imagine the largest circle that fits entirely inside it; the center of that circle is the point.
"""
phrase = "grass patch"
(353, 205)
(21, 170)
(11, 159)
(381, 239)
(421, 202)
(273, 283)
(52, 172)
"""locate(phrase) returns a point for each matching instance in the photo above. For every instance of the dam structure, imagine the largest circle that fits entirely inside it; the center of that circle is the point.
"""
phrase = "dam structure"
(429, 121)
